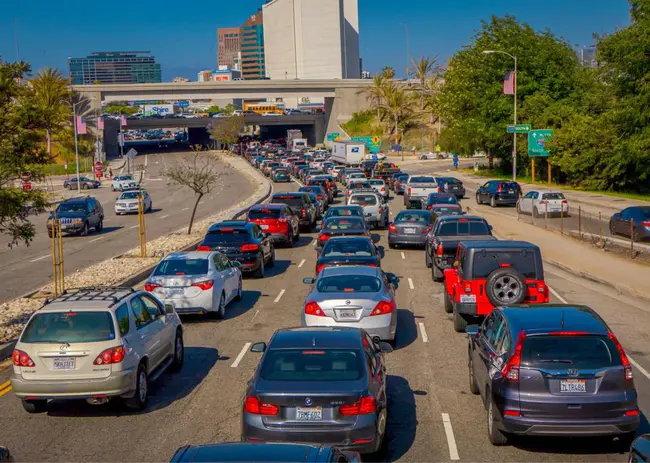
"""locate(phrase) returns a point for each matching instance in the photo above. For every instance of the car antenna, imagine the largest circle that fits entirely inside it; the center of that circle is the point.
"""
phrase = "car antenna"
(562, 321)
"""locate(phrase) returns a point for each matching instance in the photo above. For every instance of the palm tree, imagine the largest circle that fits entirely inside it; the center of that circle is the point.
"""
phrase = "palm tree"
(424, 68)
(374, 93)
(51, 95)
(397, 103)
(388, 72)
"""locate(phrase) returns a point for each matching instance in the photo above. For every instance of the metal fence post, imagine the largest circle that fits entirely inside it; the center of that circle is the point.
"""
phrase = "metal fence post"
(580, 221)
(54, 263)
(546, 215)
(562, 220)
(600, 228)
(61, 271)
(632, 239)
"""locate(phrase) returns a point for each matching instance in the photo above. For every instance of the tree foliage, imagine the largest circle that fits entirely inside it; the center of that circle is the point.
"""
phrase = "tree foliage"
(52, 96)
(388, 72)
(227, 129)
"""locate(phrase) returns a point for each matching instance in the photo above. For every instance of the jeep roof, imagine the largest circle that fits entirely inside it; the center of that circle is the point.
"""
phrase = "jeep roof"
(495, 244)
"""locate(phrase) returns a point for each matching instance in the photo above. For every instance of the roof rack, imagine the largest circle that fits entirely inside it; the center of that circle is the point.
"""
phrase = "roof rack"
(94, 293)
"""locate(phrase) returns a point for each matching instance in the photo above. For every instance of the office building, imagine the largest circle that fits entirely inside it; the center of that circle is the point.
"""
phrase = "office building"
(312, 39)
(223, 74)
(204, 76)
(228, 47)
(366, 75)
(252, 47)
(587, 56)
(115, 67)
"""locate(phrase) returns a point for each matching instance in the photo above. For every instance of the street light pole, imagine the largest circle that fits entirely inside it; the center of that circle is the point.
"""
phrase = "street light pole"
(76, 147)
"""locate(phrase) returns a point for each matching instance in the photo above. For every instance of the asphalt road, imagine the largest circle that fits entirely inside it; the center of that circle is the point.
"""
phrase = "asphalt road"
(26, 268)
(432, 414)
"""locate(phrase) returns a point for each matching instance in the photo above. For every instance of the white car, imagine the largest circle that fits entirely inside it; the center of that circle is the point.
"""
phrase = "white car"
(123, 182)
(96, 344)
(197, 282)
(538, 202)
(127, 203)
(380, 187)
(268, 113)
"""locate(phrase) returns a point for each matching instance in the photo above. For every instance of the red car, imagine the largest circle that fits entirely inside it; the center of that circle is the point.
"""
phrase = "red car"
(489, 274)
(278, 220)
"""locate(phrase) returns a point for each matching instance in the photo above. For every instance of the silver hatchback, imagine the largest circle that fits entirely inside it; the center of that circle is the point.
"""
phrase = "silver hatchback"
(353, 296)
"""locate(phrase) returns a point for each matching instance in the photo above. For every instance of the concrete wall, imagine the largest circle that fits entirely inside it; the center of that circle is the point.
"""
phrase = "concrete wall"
(350, 33)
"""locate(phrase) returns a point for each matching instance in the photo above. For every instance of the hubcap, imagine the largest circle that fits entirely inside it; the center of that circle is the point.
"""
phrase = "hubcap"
(143, 386)
(506, 289)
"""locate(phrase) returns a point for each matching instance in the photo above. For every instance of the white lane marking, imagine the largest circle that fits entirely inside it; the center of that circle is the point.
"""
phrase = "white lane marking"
(200, 202)
(107, 220)
(313, 243)
(256, 312)
(301, 263)
(411, 284)
(451, 440)
(390, 212)
(164, 216)
(241, 355)
(185, 208)
(135, 226)
(146, 161)
(423, 332)
(277, 299)
(555, 293)
(97, 239)
(155, 179)
(298, 182)
(403, 256)
(42, 257)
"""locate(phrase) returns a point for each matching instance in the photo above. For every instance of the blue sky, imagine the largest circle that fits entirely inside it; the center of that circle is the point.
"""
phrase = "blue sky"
(182, 34)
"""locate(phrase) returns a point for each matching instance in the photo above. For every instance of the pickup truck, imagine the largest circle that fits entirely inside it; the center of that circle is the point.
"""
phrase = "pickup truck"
(443, 239)
(417, 190)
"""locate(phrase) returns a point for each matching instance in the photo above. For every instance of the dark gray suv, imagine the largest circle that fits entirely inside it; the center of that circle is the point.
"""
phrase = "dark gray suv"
(551, 370)
(78, 216)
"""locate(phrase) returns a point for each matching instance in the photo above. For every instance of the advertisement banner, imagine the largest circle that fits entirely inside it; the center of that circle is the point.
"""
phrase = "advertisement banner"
(160, 109)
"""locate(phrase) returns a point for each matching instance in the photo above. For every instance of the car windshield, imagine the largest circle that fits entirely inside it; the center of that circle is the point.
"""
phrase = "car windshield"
(342, 223)
(344, 248)
(227, 236)
(422, 180)
(364, 200)
(130, 195)
(413, 217)
(451, 180)
(70, 326)
(124, 177)
(293, 201)
(401, 177)
(463, 227)
(564, 352)
(264, 214)
(348, 283)
(169, 267)
(351, 212)
(522, 260)
(71, 207)
(436, 198)
(552, 196)
(310, 364)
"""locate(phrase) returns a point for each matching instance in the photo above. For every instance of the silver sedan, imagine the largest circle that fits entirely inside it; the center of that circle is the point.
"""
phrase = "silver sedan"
(353, 296)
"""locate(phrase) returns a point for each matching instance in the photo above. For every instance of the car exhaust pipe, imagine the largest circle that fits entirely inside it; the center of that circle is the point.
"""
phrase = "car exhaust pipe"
(376, 339)
(97, 400)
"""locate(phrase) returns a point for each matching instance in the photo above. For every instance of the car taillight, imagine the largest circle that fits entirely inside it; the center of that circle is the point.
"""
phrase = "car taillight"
(253, 406)
(379, 210)
(312, 308)
(426, 230)
(541, 288)
(429, 207)
(365, 406)
(439, 249)
(22, 359)
(439, 190)
(511, 368)
(323, 237)
(151, 286)
(110, 356)
(383, 308)
(409, 191)
(383, 189)
(392, 228)
(203, 248)
(500, 188)
(249, 247)
(320, 267)
(204, 285)
(646, 223)
(282, 220)
(564, 201)
(624, 360)
(303, 211)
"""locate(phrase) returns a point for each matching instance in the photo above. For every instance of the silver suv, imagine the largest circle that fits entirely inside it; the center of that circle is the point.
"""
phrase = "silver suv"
(375, 210)
(96, 344)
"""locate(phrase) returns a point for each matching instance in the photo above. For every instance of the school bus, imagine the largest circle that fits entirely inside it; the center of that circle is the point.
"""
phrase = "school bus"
(261, 108)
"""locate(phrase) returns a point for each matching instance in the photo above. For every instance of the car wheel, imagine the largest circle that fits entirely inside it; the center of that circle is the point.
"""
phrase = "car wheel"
(505, 286)
(179, 352)
(141, 396)
(427, 258)
(84, 230)
(84, 186)
(536, 212)
(436, 274)
(272, 258)
(494, 434)
(478, 199)
(473, 387)
(221, 311)
(493, 202)
(612, 228)
(291, 240)
(35, 406)
(150, 207)
(112, 189)
(238, 296)
(49, 234)
(637, 236)
(259, 273)
(460, 323)
(449, 305)
(100, 226)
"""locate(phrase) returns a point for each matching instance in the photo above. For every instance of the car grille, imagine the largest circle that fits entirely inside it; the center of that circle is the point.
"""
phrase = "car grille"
(66, 220)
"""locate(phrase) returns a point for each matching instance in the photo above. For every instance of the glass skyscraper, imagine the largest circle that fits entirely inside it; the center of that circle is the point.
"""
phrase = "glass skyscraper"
(252, 47)
(115, 67)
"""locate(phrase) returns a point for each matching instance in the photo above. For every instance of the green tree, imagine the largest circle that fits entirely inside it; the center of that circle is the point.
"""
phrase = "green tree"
(52, 96)
(397, 104)
(121, 109)
(375, 93)
(227, 129)
(388, 72)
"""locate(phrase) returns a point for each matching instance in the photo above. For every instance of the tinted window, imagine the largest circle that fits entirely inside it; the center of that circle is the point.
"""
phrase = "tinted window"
(447, 210)
(343, 212)
(140, 313)
(442, 199)
(182, 267)
(364, 200)
(151, 306)
(264, 214)
(226, 236)
(71, 207)
(552, 196)
(359, 185)
(562, 352)
(312, 365)
(293, 201)
(343, 224)
(122, 315)
(509, 186)
(422, 180)
(60, 327)
(338, 248)
(486, 262)
(349, 284)
(464, 227)
(413, 217)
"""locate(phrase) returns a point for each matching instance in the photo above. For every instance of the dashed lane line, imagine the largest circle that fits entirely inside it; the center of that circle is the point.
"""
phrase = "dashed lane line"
(555, 293)
(451, 440)
(277, 299)
(185, 208)
(97, 239)
(134, 226)
(302, 262)
(423, 332)
(235, 364)
(256, 312)
(164, 216)
(313, 243)
(40, 258)
(411, 284)
(403, 256)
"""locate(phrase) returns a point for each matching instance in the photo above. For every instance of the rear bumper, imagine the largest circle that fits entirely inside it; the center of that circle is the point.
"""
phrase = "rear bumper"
(416, 239)
(563, 427)
(381, 326)
(200, 304)
(441, 263)
(280, 238)
(506, 201)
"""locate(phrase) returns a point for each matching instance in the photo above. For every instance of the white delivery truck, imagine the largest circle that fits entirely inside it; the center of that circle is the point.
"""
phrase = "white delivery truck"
(298, 144)
(350, 153)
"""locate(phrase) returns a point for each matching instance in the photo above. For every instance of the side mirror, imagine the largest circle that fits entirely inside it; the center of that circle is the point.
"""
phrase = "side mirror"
(309, 281)
(472, 330)
(393, 279)
(385, 347)
(258, 347)
(169, 308)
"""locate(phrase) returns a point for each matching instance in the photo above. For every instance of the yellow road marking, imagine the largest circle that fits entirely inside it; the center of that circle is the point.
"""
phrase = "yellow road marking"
(4, 391)
(5, 384)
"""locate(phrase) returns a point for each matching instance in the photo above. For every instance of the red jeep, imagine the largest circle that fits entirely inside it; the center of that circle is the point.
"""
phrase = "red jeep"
(489, 274)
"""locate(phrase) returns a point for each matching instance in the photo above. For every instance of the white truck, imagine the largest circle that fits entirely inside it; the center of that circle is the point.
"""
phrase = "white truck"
(350, 153)
(417, 190)
(298, 143)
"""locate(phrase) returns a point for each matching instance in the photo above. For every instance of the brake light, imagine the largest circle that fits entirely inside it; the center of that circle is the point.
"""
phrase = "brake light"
(379, 210)
(282, 220)
(383, 189)
(151, 286)
(500, 188)
(627, 368)
(249, 248)
(303, 211)
(512, 413)
(383, 308)
(319, 268)
(312, 308)
(646, 223)
(22, 359)
(254, 406)
(564, 201)
(110, 356)
(429, 207)
(324, 237)
(203, 248)
(439, 190)
(631, 412)
(204, 285)
(427, 230)
(568, 333)
(365, 406)
(511, 368)
(440, 249)
(409, 191)
(392, 228)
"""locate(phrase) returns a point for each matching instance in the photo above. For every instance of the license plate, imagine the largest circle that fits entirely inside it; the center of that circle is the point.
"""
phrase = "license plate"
(573, 385)
(309, 414)
(264, 227)
(466, 298)
(64, 227)
(347, 314)
(64, 363)
(511, 191)
(409, 230)
(176, 291)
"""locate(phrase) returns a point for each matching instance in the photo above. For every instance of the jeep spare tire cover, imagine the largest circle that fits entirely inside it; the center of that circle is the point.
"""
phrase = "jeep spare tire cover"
(505, 286)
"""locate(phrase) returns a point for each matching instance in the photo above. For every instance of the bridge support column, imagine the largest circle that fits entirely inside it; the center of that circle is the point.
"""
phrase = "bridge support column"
(339, 109)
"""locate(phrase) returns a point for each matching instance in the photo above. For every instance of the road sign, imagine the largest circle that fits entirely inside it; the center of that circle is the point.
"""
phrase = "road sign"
(372, 143)
(131, 154)
(376, 140)
(333, 136)
(182, 104)
(537, 141)
(26, 185)
(519, 128)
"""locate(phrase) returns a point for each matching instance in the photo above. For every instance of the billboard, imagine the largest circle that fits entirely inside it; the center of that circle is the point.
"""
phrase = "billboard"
(161, 109)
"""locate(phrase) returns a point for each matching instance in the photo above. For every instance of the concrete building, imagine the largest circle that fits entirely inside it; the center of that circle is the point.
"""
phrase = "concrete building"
(204, 76)
(252, 47)
(312, 39)
(587, 56)
(115, 67)
(180, 79)
(228, 47)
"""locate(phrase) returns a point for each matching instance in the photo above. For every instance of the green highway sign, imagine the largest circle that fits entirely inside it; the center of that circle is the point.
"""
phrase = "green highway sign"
(333, 136)
(372, 143)
(536, 142)
(519, 128)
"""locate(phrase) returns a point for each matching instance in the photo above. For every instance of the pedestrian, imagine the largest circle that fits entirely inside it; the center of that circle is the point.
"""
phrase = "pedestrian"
(455, 161)
(110, 173)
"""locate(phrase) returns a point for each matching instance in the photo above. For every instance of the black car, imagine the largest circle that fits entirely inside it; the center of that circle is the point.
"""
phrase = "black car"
(317, 203)
(300, 205)
(83, 182)
(348, 250)
(451, 185)
(264, 452)
(241, 241)
(342, 226)
(498, 192)
(327, 183)
(318, 385)
(78, 216)
(319, 191)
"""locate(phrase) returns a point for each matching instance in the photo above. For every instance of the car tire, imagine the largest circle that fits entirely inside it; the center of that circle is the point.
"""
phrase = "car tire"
(536, 213)
(448, 303)
(272, 258)
(473, 387)
(150, 207)
(291, 240)
(460, 323)
(221, 310)
(112, 189)
(179, 352)
(624, 441)
(259, 273)
(495, 436)
(504, 281)
(84, 230)
(637, 236)
(436, 274)
(141, 396)
(100, 226)
(35, 406)
(478, 199)
(493, 201)
(427, 258)
(238, 296)
(84, 186)
(49, 234)
(611, 228)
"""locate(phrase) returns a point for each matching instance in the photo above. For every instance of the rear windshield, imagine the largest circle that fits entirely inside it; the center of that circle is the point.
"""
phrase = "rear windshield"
(563, 352)
(312, 365)
(349, 284)
(311, 189)
(62, 327)
(343, 224)
(293, 201)
(376, 182)
(343, 213)
(447, 210)
(182, 267)
(337, 248)
(422, 180)
(221, 236)
(468, 227)
(552, 196)
(509, 186)
(401, 176)
(413, 217)
(442, 199)
(264, 214)
(523, 260)
(364, 200)
(359, 185)
(451, 180)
